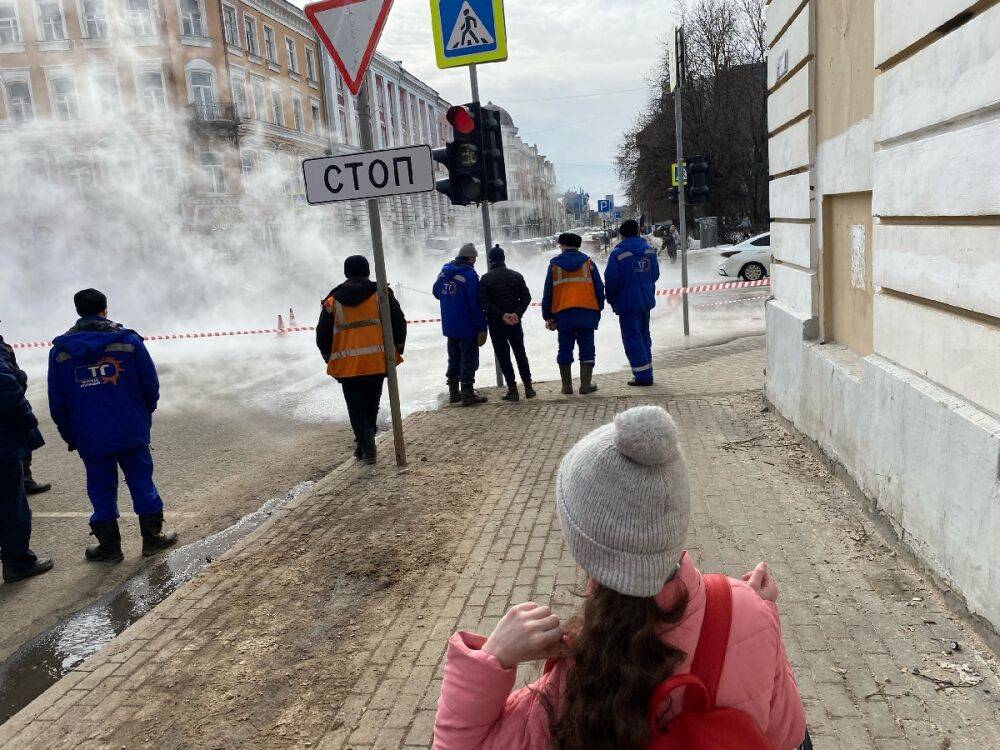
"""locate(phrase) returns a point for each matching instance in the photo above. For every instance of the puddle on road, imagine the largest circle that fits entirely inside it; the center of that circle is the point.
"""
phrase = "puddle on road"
(36, 665)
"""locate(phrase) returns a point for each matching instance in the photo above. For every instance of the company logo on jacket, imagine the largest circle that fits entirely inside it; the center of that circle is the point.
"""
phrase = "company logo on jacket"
(450, 288)
(106, 371)
(642, 265)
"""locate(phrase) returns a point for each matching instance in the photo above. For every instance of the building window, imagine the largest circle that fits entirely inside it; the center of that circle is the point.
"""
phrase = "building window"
(259, 107)
(342, 110)
(106, 95)
(152, 97)
(192, 22)
(383, 126)
(65, 105)
(404, 116)
(140, 17)
(10, 30)
(277, 109)
(229, 26)
(310, 64)
(293, 60)
(50, 22)
(250, 31)
(95, 20)
(82, 177)
(248, 163)
(202, 88)
(240, 96)
(19, 106)
(270, 48)
(163, 169)
(317, 117)
(213, 172)
(297, 116)
(392, 111)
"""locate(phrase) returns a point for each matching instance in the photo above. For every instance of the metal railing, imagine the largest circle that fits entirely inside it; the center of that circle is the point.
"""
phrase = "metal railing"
(212, 111)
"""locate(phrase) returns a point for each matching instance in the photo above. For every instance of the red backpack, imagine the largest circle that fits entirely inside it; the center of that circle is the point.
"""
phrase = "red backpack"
(701, 725)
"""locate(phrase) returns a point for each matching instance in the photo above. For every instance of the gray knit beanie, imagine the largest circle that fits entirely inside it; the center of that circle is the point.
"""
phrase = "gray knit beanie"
(625, 503)
(468, 251)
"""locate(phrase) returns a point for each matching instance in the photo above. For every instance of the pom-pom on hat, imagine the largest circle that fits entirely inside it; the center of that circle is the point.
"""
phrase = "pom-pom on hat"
(624, 501)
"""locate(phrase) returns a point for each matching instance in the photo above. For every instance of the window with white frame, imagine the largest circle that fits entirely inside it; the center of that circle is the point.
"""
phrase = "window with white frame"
(164, 171)
(310, 64)
(293, 60)
(270, 46)
(65, 101)
(213, 172)
(277, 109)
(250, 32)
(249, 164)
(20, 107)
(317, 117)
(342, 109)
(192, 18)
(297, 114)
(51, 27)
(201, 85)
(152, 96)
(10, 29)
(139, 15)
(94, 19)
(259, 105)
(240, 98)
(107, 98)
(229, 26)
(81, 176)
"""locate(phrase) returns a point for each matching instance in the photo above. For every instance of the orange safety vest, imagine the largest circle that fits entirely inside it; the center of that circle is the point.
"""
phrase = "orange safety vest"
(573, 288)
(357, 340)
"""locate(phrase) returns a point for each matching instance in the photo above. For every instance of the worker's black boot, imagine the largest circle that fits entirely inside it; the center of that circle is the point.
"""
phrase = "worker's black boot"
(153, 538)
(566, 373)
(470, 397)
(12, 575)
(529, 392)
(368, 449)
(359, 449)
(109, 542)
(512, 394)
(454, 394)
(587, 379)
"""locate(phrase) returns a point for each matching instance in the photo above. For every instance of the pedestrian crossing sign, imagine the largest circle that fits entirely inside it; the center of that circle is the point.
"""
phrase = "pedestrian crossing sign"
(468, 32)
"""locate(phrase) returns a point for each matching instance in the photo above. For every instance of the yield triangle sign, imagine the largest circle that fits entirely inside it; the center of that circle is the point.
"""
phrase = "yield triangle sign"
(350, 30)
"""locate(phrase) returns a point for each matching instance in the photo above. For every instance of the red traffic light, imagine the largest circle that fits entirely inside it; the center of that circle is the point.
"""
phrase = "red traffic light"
(461, 119)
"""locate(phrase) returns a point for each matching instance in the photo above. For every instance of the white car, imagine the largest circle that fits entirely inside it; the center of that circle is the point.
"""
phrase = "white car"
(750, 260)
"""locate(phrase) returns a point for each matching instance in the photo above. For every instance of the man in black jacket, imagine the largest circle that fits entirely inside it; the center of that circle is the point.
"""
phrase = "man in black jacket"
(31, 487)
(351, 359)
(504, 298)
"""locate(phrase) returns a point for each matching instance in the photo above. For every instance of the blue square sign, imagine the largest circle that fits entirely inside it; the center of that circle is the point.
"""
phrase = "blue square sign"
(468, 31)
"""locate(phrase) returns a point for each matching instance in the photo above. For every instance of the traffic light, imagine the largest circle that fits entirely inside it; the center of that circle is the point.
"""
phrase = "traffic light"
(698, 190)
(474, 158)
(495, 169)
(674, 197)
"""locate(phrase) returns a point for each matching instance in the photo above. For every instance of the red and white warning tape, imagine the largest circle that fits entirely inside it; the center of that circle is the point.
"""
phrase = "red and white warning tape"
(301, 329)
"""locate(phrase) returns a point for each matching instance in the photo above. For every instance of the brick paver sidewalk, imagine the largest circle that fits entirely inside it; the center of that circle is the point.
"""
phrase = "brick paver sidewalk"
(326, 627)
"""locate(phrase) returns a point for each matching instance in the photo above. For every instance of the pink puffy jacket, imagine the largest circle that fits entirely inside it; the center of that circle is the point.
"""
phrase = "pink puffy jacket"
(477, 709)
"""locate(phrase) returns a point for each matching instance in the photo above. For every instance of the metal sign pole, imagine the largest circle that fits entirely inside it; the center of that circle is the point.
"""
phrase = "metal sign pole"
(388, 341)
(681, 207)
(487, 229)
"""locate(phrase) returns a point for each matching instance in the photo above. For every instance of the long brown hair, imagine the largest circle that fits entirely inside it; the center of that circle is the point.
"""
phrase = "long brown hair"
(616, 659)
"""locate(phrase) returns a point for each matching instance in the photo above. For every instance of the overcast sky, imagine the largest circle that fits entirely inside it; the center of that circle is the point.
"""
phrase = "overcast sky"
(556, 49)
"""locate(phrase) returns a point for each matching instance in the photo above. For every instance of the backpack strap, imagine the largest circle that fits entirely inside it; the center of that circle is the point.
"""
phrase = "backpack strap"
(710, 654)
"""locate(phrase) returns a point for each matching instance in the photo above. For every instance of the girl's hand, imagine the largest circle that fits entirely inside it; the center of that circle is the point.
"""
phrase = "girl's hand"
(761, 581)
(526, 633)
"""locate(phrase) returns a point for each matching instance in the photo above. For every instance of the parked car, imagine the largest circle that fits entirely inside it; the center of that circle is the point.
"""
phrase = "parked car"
(441, 246)
(750, 260)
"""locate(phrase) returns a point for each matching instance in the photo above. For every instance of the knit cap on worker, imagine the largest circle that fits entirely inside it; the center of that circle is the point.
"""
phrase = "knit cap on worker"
(569, 239)
(624, 501)
(468, 251)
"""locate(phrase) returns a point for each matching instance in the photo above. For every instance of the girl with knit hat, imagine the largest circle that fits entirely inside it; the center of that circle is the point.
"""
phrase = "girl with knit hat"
(624, 504)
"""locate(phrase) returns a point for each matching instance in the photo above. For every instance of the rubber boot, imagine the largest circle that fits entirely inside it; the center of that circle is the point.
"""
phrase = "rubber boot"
(529, 392)
(109, 542)
(512, 394)
(470, 397)
(31, 487)
(368, 449)
(566, 373)
(359, 450)
(454, 394)
(587, 379)
(40, 566)
(153, 538)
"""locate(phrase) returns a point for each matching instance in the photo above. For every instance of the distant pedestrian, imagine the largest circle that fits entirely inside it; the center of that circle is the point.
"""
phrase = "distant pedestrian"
(745, 228)
(463, 323)
(103, 390)
(572, 304)
(31, 487)
(670, 239)
(504, 298)
(652, 624)
(349, 336)
(19, 436)
(630, 282)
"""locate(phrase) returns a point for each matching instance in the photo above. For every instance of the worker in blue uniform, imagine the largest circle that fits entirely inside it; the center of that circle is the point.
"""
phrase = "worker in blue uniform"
(572, 304)
(630, 284)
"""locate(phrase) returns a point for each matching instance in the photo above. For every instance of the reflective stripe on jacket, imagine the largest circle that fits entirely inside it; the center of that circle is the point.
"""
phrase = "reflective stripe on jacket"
(573, 289)
(358, 347)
